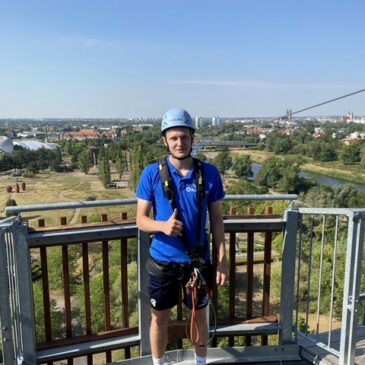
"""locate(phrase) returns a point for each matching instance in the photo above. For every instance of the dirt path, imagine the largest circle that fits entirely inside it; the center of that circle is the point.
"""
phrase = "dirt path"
(76, 212)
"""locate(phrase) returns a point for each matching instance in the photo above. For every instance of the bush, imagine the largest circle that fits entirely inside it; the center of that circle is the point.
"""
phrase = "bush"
(11, 203)
(29, 174)
(90, 198)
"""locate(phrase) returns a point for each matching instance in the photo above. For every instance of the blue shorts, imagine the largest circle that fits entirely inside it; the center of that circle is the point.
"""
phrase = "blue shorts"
(164, 289)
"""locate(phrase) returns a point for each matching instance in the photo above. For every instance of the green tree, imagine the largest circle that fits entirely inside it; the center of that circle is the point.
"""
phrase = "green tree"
(320, 196)
(84, 161)
(347, 196)
(121, 163)
(280, 175)
(362, 156)
(223, 161)
(322, 151)
(350, 154)
(104, 167)
(136, 163)
(243, 167)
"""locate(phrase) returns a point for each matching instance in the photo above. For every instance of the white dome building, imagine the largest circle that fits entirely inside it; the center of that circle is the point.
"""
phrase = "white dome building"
(6, 145)
(33, 145)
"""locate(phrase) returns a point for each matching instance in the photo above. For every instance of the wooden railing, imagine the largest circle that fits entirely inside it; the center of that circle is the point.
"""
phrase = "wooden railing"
(262, 323)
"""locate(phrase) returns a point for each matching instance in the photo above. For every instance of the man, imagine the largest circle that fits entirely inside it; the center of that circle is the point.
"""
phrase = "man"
(178, 225)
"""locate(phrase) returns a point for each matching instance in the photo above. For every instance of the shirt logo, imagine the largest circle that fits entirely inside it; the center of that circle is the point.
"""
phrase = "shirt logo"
(191, 189)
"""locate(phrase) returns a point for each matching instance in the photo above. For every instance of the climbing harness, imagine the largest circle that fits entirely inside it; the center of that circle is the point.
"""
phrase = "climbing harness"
(197, 281)
(200, 191)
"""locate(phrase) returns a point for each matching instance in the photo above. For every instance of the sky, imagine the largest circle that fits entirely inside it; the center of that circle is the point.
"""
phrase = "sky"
(138, 58)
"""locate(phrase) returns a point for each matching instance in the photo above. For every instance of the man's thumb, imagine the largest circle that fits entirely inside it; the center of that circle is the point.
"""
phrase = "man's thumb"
(174, 214)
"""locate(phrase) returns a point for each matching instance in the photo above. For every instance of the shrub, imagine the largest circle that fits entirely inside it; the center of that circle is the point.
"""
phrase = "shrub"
(29, 174)
(11, 203)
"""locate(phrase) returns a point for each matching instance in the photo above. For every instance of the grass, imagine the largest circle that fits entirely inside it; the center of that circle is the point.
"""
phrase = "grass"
(52, 187)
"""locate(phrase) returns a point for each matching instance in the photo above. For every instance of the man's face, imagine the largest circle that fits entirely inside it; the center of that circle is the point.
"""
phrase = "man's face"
(179, 140)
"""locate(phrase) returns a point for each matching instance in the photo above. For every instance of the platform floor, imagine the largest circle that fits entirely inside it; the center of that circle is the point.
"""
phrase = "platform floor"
(318, 353)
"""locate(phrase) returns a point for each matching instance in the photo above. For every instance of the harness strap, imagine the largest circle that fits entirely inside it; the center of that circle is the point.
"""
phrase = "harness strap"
(166, 182)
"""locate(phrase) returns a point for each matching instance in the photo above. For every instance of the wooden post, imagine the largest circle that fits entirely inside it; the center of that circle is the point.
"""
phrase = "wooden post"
(123, 216)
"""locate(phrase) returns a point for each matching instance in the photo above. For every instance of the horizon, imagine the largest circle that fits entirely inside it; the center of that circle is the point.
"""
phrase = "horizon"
(95, 59)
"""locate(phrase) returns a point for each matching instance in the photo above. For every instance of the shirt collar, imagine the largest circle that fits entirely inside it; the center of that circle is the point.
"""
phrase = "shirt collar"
(176, 173)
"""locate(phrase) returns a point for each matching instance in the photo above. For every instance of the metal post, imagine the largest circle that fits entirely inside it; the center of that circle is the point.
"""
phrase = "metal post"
(24, 294)
(287, 276)
(355, 243)
(16, 302)
(5, 312)
(143, 303)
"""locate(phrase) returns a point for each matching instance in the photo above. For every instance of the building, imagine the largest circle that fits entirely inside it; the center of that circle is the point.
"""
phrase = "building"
(82, 135)
(7, 144)
(216, 121)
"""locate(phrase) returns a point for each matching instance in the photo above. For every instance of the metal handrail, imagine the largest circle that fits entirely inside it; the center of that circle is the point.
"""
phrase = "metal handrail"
(112, 202)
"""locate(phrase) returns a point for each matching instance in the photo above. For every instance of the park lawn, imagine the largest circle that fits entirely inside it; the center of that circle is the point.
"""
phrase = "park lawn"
(52, 187)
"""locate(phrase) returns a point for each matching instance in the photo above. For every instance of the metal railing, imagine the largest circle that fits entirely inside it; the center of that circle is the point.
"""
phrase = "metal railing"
(24, 342)
(328, 281)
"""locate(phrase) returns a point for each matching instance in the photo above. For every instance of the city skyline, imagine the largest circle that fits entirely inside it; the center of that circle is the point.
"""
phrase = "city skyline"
(130, 59)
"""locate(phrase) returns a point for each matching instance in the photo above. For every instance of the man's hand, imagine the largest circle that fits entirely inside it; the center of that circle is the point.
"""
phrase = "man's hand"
(222, 272)
(173, 226)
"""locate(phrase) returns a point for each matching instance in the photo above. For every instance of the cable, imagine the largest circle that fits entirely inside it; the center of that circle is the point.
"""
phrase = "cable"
(325, 102)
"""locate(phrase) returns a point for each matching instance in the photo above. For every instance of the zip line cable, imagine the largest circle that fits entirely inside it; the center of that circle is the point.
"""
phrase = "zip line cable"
(325, 102)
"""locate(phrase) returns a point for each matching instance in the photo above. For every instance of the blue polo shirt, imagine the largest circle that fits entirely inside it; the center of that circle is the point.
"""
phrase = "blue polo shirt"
(172, 249)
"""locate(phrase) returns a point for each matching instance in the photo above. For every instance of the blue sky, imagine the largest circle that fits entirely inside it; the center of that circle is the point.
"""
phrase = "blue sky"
(120, 58)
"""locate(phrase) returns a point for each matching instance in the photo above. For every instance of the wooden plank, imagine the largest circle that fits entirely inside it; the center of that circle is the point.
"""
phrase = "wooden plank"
(66, 291)
(46, 297)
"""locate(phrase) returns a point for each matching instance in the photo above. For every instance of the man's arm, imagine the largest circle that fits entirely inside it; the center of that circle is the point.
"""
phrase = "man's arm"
(171, 227)
(217, 227)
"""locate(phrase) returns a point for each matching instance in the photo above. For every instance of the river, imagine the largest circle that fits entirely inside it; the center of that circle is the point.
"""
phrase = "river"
(318, 178)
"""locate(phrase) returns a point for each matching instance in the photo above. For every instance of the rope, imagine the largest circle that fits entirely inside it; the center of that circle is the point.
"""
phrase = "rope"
(325, 102)
(196, 282)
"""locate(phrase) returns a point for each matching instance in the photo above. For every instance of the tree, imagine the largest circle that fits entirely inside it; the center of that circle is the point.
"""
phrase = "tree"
(280, 175)
(84, 161)
(350, 154)
(347, 196)
(104, 167)
(322, 151)
(320, 196)
(120, 162)
(362, 156)
(223, 161)
(243, 167)
(136, 164)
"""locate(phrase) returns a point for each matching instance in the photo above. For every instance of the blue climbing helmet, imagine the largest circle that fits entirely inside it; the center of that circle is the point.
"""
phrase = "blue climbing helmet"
(176, 117)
